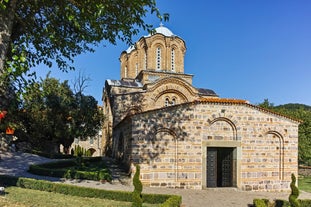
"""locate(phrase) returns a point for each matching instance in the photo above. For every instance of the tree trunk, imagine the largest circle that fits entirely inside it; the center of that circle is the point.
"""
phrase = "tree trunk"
(6, 24)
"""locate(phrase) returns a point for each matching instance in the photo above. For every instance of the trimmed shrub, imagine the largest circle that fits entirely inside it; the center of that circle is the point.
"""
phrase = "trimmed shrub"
(166, 200)
(58, 164)
(281, 203)
(294, 193)
(138, 188)
(50, 155)
(305, 203)
(38, 170)
(260, 202)
(53, 169)
(172, 201)
(155, 198)
(104, 175)
(92, 159)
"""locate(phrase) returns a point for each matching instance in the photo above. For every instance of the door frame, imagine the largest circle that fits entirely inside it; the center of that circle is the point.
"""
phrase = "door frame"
(237, 154)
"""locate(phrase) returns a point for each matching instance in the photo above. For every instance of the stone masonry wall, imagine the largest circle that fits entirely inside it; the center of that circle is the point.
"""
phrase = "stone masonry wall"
(170, 145)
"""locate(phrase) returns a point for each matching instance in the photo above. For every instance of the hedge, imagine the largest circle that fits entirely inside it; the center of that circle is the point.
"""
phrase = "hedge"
(49, 155)
(53, 169)
(58, 164)
(60, 156)
(166, 200)
(280, 203)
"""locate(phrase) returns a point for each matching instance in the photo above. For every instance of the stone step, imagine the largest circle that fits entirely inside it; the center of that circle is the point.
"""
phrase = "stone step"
(118, 172)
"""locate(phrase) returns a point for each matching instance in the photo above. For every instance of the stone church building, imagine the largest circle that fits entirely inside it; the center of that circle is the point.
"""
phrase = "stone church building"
(183, 136)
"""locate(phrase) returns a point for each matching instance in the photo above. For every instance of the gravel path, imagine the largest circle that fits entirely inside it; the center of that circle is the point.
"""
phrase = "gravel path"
(17, 164)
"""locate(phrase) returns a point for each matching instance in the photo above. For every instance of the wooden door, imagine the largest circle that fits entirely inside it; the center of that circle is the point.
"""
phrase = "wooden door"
(211, 165)
(225, 155)
(219, 172)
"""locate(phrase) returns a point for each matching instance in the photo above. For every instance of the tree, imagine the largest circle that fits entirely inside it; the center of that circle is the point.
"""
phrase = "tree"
(303, 113)
(85, 119)
(46, 30)
(266, 104)
(54, 115)
(47, 105)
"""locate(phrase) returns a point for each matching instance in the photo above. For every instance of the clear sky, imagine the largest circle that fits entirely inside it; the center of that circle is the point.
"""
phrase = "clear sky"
(243, 49)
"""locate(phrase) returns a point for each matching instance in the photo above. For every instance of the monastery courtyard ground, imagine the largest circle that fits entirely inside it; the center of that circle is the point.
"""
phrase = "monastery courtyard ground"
(17, 164)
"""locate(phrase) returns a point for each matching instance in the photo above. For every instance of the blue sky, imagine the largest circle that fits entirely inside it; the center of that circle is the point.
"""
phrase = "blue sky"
(243, 49)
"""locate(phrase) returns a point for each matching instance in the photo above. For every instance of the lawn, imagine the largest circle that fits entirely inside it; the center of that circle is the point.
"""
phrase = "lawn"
(20, 197)
(304, 183)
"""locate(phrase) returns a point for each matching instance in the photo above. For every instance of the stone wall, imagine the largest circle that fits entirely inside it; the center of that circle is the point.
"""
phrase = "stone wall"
(126, 104)
(171, 144)
(93, 144)
(122, 141)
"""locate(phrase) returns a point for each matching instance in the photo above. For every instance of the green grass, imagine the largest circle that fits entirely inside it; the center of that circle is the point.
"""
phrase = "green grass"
(304, 183)
(20, 197)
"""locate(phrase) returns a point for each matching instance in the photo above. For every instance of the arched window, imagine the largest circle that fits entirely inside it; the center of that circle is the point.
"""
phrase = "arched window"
(173, 60)
(158, 55)
(173, 102)
(125, 72)
(136, 69)
(167, 102)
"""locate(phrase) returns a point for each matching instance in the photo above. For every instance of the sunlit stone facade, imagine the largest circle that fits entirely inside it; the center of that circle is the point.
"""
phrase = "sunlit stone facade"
(187, 137)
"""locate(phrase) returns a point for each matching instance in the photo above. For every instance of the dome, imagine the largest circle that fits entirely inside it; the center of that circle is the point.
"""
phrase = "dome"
(164, 30)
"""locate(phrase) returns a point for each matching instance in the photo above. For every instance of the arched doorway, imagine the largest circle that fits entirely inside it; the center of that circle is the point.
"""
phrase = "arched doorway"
(92, 151)
(221, 154)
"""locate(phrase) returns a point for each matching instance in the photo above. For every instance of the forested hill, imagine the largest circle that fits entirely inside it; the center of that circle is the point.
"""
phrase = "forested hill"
(303, 113)
(294, 106)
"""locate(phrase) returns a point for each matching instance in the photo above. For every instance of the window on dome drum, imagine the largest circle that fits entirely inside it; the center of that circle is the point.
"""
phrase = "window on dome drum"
(173, 60)
(136, 69)
(125, 72)
(173, 102)
(158, 55)
(167, 102)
